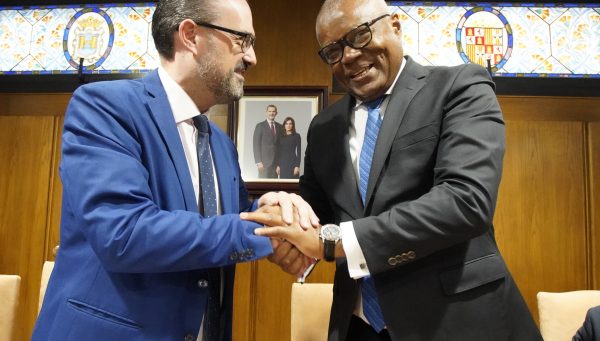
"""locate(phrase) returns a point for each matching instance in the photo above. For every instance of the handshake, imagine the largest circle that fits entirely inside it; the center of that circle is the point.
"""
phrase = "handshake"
(293, 228)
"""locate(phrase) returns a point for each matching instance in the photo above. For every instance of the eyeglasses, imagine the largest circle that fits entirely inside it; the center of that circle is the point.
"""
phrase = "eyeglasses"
(357, 38)
(247, 39)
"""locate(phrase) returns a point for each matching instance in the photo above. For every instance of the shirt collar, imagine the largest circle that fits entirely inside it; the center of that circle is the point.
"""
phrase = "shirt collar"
(389, 90)
(181, 103)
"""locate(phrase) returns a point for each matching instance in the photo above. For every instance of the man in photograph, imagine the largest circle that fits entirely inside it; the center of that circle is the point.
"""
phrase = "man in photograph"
(265, 142)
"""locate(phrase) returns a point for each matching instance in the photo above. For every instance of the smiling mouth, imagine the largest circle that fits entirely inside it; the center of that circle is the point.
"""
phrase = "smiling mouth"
(361, 73)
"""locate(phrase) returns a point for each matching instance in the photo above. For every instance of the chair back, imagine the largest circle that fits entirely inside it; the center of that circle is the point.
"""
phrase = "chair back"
(563, 313)
(10, 286)
(46, 272)
(311, 306)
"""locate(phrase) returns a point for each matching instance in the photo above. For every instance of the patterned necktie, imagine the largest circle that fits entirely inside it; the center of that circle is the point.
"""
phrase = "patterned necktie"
(366, 154)
(208, 193)
(208, 207)
(371, 307)
(273, 128)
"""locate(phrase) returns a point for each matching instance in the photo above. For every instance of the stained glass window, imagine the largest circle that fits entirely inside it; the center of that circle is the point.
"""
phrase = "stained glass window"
(514, 40)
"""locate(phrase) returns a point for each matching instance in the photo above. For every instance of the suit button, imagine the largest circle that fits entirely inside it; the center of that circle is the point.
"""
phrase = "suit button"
(202, 283)
(189, 337)
(403, 257)
(392, 261)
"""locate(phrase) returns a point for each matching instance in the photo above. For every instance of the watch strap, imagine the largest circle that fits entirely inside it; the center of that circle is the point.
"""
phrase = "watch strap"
(329, 250)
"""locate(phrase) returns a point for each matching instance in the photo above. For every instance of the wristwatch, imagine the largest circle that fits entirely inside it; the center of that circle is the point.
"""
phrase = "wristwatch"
(331, 235)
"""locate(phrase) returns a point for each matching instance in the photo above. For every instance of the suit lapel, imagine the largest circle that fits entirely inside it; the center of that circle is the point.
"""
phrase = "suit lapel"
(227, 181)
(160, 111)
(350, 200)
(411, 80)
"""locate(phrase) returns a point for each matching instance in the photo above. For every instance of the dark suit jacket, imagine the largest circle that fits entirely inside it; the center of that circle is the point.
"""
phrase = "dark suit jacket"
(426, 230)
(590, 331)
(133, 247)
(265, 144)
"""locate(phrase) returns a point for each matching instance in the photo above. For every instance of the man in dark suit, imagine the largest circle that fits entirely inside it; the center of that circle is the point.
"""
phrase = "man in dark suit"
(137, 261)
(590, 330)
(411, 175)
(265, 141)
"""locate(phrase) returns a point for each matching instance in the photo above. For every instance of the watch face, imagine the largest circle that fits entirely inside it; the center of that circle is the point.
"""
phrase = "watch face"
(330, 232)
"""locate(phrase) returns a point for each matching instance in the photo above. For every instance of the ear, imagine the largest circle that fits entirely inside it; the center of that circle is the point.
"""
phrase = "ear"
(396, 26)
(187, 36)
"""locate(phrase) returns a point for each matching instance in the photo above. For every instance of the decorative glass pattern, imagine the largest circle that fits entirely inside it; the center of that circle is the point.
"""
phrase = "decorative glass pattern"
(516, 39)
(107, 38)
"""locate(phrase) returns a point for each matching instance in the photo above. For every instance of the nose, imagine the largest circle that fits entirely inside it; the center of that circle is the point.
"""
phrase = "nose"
(250, 56)
(349, 54)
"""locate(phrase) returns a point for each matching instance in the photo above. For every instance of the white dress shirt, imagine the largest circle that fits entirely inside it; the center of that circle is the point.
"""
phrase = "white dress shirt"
(184, 110)
(357, 264)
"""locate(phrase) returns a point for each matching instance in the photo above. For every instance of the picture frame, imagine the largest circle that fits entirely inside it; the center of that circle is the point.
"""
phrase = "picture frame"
(247, 123)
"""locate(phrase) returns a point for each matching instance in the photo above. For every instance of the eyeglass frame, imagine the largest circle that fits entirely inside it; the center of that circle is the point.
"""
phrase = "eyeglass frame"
(248, 39)
(345, 42)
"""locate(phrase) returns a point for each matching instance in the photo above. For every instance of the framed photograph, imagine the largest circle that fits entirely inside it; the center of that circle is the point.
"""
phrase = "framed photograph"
(269, 127)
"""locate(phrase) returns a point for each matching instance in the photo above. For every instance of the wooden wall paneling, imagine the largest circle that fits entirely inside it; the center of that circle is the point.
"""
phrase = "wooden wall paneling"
(34, 104)
(273, 302)
(25, 159)
(594, 207)
(539, 108)
(4, 103)
(540, 219)
(273, 298)
(286, 44)
(244, 301)
(322, 273)
(55, 193)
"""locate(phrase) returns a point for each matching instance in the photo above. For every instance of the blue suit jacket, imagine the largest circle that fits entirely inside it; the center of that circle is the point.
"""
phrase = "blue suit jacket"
(133, 248)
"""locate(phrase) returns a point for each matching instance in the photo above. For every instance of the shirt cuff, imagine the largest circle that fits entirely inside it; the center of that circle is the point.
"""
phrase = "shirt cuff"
(357, 264)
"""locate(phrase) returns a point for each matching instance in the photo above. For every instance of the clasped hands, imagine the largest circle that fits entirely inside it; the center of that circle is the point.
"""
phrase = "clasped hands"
(292, 226)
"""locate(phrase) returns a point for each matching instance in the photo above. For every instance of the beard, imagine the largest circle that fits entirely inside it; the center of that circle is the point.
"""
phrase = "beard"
(225, 86)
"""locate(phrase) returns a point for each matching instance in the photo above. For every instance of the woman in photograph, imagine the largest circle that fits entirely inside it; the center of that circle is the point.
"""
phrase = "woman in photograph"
(289, 151)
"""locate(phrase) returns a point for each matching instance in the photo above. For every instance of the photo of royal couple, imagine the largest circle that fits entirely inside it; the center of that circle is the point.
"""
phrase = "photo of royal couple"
(271, 135)
(276, 147)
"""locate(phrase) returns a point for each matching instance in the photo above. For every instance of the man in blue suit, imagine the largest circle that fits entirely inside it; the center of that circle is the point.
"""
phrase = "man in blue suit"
(135, 253)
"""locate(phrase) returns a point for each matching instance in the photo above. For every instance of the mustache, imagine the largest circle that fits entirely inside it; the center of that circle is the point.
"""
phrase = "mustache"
(242, 66)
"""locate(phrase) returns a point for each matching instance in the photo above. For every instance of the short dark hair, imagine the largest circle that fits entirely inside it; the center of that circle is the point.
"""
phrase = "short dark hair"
(170, 13)
(271, 106)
